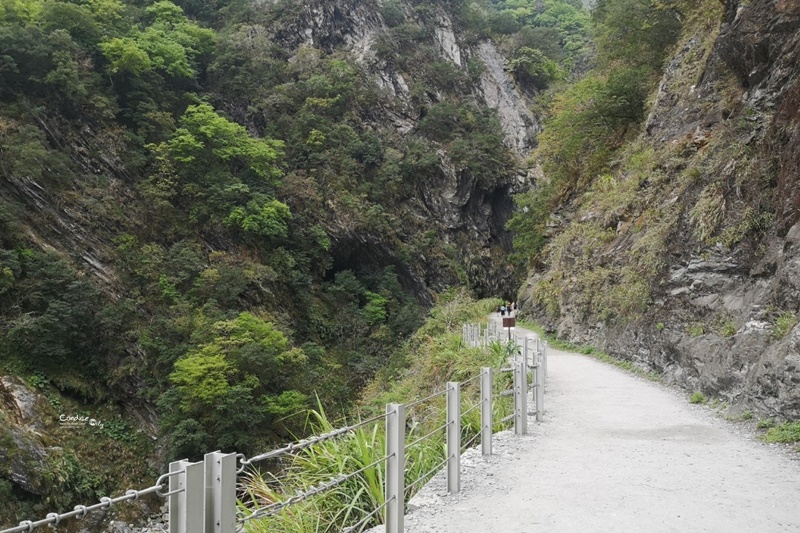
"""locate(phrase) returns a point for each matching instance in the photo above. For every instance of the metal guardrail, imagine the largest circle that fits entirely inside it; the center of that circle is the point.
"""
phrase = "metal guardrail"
(80, 511)
(201, 495)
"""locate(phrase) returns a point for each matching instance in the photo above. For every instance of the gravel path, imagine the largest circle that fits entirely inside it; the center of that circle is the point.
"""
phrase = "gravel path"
(617, 453)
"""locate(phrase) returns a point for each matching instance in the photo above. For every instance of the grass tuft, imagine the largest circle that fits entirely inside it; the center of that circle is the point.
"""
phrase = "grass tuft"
(783, 324)
(698, 397)
(766, 423)
(786, 433)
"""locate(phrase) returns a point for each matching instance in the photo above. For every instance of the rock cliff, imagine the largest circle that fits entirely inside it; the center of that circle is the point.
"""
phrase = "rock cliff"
(470, 215)
(85, 203)
(721, 297)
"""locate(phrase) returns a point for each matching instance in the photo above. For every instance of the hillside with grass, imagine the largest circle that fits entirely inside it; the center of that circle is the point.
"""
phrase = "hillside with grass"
(665, 226)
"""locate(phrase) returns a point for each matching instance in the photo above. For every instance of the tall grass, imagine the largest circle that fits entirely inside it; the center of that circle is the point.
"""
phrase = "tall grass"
(431, 358)
(347, 503)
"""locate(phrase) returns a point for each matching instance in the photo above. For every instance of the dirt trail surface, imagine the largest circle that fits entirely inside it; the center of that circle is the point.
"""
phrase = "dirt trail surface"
(616, 453)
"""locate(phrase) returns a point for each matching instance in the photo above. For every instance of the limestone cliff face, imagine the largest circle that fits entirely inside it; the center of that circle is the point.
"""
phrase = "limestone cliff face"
(470, 216)
(727, 292)
(355, 25)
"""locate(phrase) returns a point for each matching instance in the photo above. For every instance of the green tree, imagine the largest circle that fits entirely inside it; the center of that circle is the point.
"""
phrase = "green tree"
(229, 393)
(220, 174)
(171, 44)
(50, 318)
(638, 33)
(531, 65)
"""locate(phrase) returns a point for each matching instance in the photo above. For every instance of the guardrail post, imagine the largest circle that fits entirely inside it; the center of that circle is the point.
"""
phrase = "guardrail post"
(544, 360)
(220, 504)
(395, 467)
(525, 352)
(539, 377)
(520, 399)
(453, 436)
(185, 509)
(486, 410)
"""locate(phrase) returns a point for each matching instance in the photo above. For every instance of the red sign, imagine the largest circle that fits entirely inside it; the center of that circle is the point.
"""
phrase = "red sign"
(509, 322)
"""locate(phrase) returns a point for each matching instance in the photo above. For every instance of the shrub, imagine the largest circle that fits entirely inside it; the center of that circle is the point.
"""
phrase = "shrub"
(392, 14)
(786, 433)
(698, 397)
(695, 329)
(766, 423)
(725, 326)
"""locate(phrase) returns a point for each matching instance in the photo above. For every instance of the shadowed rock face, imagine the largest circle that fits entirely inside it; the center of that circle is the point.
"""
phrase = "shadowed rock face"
(746, 87)
(760, 45)
(787, 128)
(757, 41)
(22, 451)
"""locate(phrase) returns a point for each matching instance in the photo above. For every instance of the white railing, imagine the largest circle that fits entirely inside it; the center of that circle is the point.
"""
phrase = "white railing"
(201, 496)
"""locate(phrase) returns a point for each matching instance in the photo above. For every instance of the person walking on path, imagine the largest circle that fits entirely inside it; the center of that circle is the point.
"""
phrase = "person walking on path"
(617, 453)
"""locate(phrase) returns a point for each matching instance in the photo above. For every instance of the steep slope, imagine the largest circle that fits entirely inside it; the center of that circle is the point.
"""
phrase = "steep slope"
(209, 215)
(420, 64)
(683, 257)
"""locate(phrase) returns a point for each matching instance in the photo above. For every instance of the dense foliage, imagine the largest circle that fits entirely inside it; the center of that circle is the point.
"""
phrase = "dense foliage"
(425, 363)
(204, 215)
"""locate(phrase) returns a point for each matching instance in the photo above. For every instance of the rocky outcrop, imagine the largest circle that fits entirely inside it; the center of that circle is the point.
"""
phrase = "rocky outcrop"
(22, 450)
(714, 321)
(355, 26)
(330, 25)
(760, 45)
(471, 216)
(500, 92)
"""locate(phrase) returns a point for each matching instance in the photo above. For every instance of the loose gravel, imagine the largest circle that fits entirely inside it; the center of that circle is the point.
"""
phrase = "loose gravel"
(614, 453)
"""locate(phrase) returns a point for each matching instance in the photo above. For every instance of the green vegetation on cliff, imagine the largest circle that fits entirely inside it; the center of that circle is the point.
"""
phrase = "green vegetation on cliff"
(422, 366)
(208, 220)
(590, 120)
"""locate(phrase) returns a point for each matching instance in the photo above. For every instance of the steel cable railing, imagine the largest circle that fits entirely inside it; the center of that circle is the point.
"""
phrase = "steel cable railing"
(507, 418)
(189, 490)
(367, 518)
(470, 380)
(468, 411)
(426, 399)
(427, 435)
(274, 508)
(80, 511)
(467, 445)
(305, 443)
(427, 475)
(337, 480)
